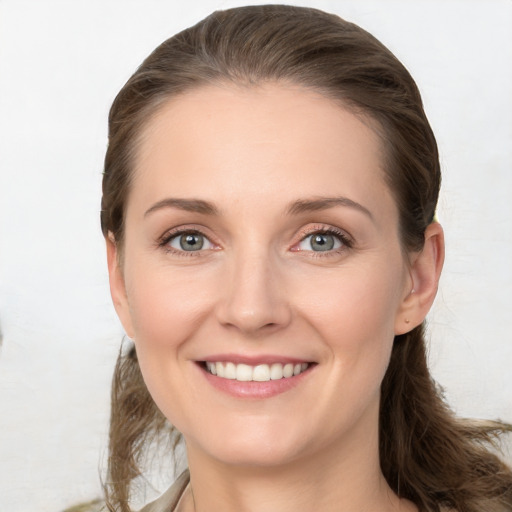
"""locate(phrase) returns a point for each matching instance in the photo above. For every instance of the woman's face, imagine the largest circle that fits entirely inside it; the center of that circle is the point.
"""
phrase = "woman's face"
(262, 243)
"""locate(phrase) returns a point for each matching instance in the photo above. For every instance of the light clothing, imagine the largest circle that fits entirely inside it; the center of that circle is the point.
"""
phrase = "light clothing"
(170, 498)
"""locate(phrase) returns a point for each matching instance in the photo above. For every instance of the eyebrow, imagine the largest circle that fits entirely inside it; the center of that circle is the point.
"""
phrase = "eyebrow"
(295, 208)
(188, 205)
(324, 203)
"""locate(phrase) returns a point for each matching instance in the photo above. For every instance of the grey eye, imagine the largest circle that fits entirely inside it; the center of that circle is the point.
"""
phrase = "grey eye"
(190, 242)
(320, 242)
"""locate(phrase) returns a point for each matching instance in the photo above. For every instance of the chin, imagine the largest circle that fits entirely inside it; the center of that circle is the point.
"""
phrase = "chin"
(260, 448)
(256, 455)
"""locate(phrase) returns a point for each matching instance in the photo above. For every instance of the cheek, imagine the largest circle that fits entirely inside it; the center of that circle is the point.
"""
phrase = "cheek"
(166, 309)
(165, 303)
(360, 299)
(354, 312)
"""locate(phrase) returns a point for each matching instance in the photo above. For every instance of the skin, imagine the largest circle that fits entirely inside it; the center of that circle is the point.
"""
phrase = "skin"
(258, 287)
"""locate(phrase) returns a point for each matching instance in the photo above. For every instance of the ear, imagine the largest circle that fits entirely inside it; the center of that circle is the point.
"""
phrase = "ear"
(117, 285)
(425, 270)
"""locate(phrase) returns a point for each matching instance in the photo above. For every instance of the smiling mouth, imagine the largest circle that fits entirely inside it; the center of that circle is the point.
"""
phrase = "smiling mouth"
(258, 373)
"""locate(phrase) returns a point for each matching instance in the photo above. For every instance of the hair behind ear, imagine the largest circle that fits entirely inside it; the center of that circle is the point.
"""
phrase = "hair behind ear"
(135, 422)
(428, 455)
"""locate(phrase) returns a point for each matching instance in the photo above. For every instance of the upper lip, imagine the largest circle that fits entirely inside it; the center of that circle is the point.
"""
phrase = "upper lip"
(253, 360)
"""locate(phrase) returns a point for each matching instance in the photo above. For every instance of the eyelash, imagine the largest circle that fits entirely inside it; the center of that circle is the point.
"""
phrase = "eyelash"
(165, 240)
(346, 241)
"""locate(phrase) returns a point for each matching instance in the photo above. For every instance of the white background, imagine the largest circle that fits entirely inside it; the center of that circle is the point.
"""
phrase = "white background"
(61, 64)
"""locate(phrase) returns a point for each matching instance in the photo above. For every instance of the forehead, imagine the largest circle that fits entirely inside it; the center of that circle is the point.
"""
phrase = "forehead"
(224, 142)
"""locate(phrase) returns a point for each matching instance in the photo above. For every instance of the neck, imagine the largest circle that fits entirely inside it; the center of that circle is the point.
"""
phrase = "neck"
(336, 479)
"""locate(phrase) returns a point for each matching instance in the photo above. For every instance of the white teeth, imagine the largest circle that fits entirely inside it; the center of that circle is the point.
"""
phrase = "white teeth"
(287, 370)
(243, 372)
(220, 369)
(230, 371)
(276, 371)
(259, 373)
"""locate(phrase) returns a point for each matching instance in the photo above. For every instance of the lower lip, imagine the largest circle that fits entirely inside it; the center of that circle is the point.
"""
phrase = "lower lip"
(252, 389)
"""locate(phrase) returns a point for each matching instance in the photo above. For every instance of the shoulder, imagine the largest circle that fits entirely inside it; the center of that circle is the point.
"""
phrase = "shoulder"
(90, 506)
(169, 499)
(165, 503)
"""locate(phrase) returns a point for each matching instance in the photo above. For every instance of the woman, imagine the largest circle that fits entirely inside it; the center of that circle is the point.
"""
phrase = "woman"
(268, 204)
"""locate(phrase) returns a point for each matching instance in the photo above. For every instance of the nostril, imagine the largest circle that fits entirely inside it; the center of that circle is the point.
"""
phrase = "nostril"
(251, 302)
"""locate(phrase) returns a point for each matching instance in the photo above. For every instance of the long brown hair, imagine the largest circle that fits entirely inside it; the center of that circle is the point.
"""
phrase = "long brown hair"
(427, 455)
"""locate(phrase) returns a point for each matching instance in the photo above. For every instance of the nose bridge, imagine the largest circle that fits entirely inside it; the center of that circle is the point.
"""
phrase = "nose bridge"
(253, 292)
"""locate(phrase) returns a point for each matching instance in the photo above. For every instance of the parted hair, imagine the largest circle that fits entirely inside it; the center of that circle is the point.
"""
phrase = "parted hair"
(427, 455)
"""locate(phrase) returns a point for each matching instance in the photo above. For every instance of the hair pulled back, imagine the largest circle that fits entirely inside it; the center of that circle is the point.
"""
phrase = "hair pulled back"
(426, 454)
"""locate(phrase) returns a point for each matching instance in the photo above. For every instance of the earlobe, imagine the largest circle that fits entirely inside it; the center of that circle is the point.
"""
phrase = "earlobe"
(117, 285)
(425, 271)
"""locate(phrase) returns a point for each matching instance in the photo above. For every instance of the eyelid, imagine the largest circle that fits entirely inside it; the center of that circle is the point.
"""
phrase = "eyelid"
(175, 241)
(346, 239)
(163, 241)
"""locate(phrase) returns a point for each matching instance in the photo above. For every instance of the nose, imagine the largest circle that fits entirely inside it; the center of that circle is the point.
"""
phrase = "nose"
(253, 298)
